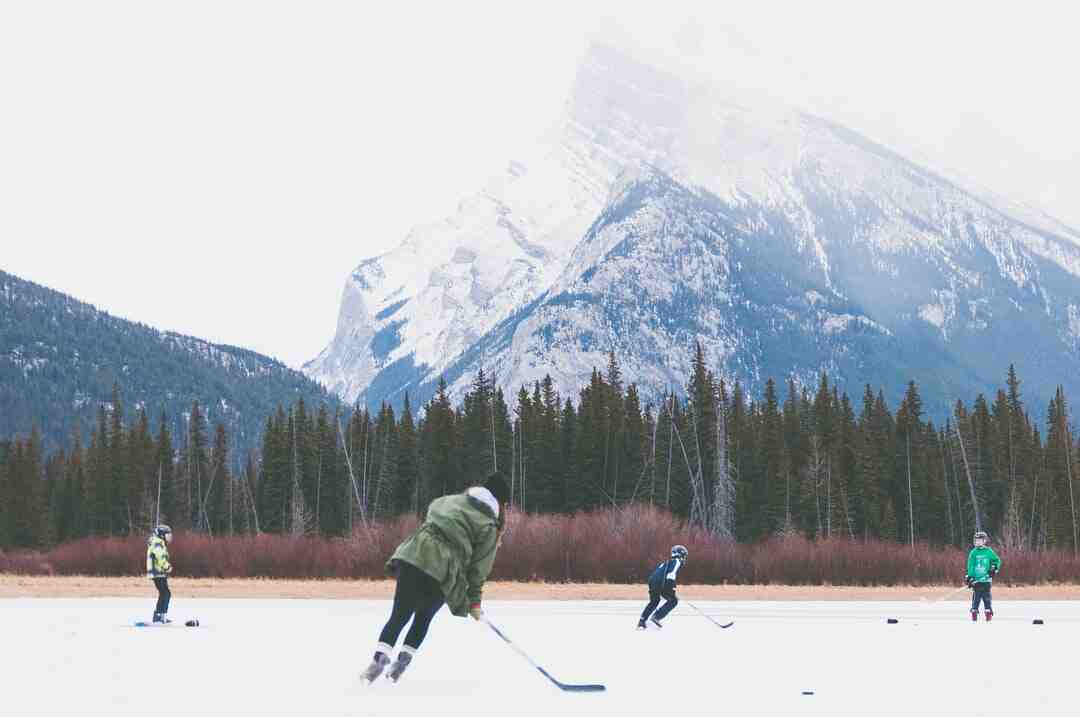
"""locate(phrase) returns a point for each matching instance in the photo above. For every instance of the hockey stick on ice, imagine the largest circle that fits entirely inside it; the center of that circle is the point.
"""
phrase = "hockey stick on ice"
(947, 595)
(722, 626)
(561, 685)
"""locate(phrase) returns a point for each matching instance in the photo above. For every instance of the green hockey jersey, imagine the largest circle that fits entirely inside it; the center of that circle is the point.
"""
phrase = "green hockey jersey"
(980, 562)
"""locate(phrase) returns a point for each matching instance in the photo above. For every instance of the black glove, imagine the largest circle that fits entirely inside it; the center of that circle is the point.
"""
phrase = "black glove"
(968, 580)
(993, 572)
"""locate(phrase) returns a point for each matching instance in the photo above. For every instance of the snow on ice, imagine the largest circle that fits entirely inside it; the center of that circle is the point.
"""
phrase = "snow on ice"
(277, 657)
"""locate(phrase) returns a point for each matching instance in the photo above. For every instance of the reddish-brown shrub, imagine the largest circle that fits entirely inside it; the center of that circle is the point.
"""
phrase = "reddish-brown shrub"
(618, 545)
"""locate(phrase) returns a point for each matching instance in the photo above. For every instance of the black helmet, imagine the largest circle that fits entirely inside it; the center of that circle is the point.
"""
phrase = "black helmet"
(496, 484)
(163, 531)
(679, 551)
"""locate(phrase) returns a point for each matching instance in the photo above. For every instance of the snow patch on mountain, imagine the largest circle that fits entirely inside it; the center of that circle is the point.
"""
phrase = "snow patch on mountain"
(665, 211)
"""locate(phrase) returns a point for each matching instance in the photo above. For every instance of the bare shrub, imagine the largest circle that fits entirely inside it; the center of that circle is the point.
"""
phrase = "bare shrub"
(620, 545)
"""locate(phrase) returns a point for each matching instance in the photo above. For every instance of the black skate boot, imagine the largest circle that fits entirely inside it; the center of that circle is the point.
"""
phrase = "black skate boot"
(654, 621)
(158, 617)
(641, 624)
(400, 664)
(378, 664)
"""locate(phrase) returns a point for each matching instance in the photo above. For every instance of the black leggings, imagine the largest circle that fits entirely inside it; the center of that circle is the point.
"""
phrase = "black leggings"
(417, 596)
(163, 595)
(668, 594)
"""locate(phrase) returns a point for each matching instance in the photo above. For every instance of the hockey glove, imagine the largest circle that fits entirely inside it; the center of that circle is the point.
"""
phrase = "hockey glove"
(968, 580)
(475, 611)
(993, 572)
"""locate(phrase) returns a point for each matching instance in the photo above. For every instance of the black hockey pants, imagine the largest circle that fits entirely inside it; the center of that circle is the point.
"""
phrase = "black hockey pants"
(417, 596)
(163, 595)
(667, 593)
(980, 592)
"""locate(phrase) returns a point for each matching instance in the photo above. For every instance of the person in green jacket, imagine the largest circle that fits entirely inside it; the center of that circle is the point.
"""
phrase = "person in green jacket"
(982, 565)
(447, 560)
(158, 568)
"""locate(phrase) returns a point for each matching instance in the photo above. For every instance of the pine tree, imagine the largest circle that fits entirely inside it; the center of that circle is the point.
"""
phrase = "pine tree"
(71, 520)
(570, 496)
(197, 474)
(120, 509)
(273, 475)
(632, 462)
(24, 485)
(524, 449)
(479, 444)
(614, 427)
(100, 489)
(908, 458)
(775, 461)
(51, 498)
(165, 506)
(139, 450)
(743, 430)
(701, 444)
(220, 501)
(504, 432)
(333, 494)
(386, 487)
(440, 475)
(407, 497)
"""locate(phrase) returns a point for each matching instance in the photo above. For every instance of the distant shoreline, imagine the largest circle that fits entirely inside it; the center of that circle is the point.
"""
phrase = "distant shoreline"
(28, 586)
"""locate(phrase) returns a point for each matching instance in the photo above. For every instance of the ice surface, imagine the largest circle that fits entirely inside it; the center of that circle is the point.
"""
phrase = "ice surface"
(276, 657)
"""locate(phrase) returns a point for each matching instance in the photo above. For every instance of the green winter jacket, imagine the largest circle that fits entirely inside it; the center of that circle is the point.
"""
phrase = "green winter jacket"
(456, 546)
(980, 562)
(157, 558)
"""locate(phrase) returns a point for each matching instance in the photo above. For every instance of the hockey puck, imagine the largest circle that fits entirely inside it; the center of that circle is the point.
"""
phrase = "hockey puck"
(892, 621)
(808, 692)
(1037, 621)
(192, 623)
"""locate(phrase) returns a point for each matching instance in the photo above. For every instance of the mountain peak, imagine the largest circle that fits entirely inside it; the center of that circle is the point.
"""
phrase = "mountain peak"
(670, 210)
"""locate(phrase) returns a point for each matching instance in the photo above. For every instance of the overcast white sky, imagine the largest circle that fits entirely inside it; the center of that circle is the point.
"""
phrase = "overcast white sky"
(218, 168)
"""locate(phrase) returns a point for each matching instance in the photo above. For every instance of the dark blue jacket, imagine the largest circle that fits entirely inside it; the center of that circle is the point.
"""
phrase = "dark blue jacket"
(665, 575)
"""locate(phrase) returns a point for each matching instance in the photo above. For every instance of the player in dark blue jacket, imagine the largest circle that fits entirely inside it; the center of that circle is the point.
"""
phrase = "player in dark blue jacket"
(662, 585)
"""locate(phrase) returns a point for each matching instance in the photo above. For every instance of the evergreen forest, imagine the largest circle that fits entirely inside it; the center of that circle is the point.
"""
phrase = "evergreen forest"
(807, 460)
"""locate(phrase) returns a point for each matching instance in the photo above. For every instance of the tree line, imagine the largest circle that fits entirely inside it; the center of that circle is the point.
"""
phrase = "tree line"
(797, 459)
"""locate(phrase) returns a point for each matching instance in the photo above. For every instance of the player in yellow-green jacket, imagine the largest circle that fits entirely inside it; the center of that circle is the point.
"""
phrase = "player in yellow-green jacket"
(158, 568)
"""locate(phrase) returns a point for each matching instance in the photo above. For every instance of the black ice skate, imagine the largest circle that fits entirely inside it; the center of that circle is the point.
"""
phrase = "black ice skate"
(654, 621)
(641, 624)
(378, 664)
(399, 666)
(161, 618)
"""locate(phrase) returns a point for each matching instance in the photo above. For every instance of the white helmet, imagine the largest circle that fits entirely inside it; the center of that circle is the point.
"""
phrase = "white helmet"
(981, 538)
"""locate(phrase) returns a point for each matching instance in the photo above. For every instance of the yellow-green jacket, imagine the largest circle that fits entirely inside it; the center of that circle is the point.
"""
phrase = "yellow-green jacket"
(157, 558)
(456, 546)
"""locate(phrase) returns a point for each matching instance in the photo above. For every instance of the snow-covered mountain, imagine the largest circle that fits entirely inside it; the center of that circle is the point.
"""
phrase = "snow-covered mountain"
(61, 359)
(667, 210)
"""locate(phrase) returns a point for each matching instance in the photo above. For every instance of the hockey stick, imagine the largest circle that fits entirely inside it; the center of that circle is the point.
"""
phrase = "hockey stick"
(722, 626)
(948, 595)
(561, 685)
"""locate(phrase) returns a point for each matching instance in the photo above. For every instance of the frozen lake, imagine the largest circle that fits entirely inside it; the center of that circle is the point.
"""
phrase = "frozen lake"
(278, 657)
